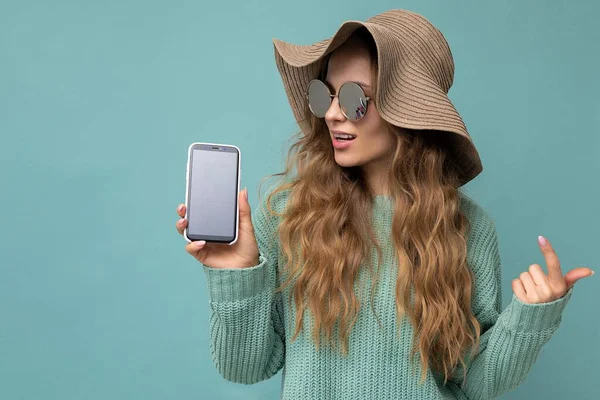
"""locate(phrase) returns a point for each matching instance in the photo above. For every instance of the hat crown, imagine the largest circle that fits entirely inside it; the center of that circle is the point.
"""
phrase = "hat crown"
(421, 43)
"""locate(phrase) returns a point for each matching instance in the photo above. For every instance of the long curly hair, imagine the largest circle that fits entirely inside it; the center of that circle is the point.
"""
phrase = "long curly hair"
(326, 234)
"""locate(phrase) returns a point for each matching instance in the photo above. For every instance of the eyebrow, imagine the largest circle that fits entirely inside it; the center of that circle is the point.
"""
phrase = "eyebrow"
(359, 82)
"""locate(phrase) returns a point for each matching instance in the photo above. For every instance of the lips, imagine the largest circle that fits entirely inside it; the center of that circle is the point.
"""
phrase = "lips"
(339, 143)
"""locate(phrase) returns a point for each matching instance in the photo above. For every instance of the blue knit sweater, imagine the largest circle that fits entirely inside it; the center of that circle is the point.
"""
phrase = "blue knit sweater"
(251, 328)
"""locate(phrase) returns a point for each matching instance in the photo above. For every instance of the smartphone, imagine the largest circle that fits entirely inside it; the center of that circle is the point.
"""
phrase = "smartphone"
(212, 187)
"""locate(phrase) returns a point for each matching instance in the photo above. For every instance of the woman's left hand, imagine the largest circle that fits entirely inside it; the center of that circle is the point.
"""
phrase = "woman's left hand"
(537, 287)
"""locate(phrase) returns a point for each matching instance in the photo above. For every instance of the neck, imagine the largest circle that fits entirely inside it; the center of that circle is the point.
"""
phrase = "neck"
(376, 174)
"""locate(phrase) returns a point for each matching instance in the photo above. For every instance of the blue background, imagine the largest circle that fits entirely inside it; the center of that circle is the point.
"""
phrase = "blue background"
(99, 102)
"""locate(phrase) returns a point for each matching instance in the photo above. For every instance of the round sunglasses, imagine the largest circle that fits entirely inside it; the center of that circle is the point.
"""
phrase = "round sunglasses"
(352, 98)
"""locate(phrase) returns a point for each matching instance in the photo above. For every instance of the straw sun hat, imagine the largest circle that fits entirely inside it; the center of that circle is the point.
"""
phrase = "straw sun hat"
(416, 70)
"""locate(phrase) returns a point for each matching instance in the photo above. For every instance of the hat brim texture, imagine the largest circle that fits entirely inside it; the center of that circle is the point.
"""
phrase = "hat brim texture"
(416, 70)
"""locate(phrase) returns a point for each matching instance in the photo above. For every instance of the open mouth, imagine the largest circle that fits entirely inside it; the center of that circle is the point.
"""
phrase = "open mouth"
(344, 137)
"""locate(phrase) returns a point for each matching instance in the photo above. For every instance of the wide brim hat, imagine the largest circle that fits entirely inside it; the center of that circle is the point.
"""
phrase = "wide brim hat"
(416, 71)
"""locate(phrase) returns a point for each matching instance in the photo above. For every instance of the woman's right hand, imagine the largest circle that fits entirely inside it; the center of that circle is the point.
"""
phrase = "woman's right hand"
(242, 254)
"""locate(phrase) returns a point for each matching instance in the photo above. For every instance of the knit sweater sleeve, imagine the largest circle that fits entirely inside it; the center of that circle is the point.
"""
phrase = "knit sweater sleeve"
(247, 337)
(510, 340)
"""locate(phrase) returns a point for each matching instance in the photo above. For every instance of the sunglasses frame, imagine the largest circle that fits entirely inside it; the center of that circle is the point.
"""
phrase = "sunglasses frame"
(331, 96)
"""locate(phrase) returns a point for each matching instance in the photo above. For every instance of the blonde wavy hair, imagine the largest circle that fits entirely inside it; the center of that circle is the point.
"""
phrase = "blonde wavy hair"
(326, 233)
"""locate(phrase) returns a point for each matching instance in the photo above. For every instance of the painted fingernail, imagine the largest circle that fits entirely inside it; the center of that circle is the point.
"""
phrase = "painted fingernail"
(542, 241)
(200, 243)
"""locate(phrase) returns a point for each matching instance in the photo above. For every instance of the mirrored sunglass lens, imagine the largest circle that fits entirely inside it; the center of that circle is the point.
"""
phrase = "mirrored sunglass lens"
(353, 101)
(318, 98)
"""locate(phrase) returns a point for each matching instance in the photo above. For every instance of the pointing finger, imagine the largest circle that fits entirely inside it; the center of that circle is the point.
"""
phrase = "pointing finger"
(554, 271)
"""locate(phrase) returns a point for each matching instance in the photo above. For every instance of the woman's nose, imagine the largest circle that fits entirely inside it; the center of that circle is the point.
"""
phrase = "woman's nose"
(334, 113)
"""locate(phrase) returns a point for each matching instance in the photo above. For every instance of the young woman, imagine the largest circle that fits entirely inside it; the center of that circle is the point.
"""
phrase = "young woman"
(367, 273)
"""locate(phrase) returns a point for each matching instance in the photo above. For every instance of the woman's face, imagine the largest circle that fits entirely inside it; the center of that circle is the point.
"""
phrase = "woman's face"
(374, 142)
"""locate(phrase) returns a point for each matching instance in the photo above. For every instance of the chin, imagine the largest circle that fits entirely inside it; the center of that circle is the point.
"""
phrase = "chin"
(346, 161)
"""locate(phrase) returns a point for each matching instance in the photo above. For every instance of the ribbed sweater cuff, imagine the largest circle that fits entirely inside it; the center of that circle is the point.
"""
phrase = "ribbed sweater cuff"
(233, 284)
(536, 317)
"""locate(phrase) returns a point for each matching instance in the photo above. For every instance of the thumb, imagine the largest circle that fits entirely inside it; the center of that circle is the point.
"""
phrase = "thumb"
(576, 274)
(244, 206)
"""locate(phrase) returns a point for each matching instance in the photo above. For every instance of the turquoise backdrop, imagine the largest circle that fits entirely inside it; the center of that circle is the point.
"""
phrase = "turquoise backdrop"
(100, 100)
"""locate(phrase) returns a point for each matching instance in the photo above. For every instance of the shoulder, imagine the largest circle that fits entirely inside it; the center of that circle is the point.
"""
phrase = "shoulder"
(272, 203)
(483, 257)
(274, 197)
(268, 215)
(483, 253)
(482, 223)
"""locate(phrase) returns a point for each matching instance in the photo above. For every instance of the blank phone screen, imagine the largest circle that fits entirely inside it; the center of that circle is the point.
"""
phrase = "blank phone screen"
(212, 193)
